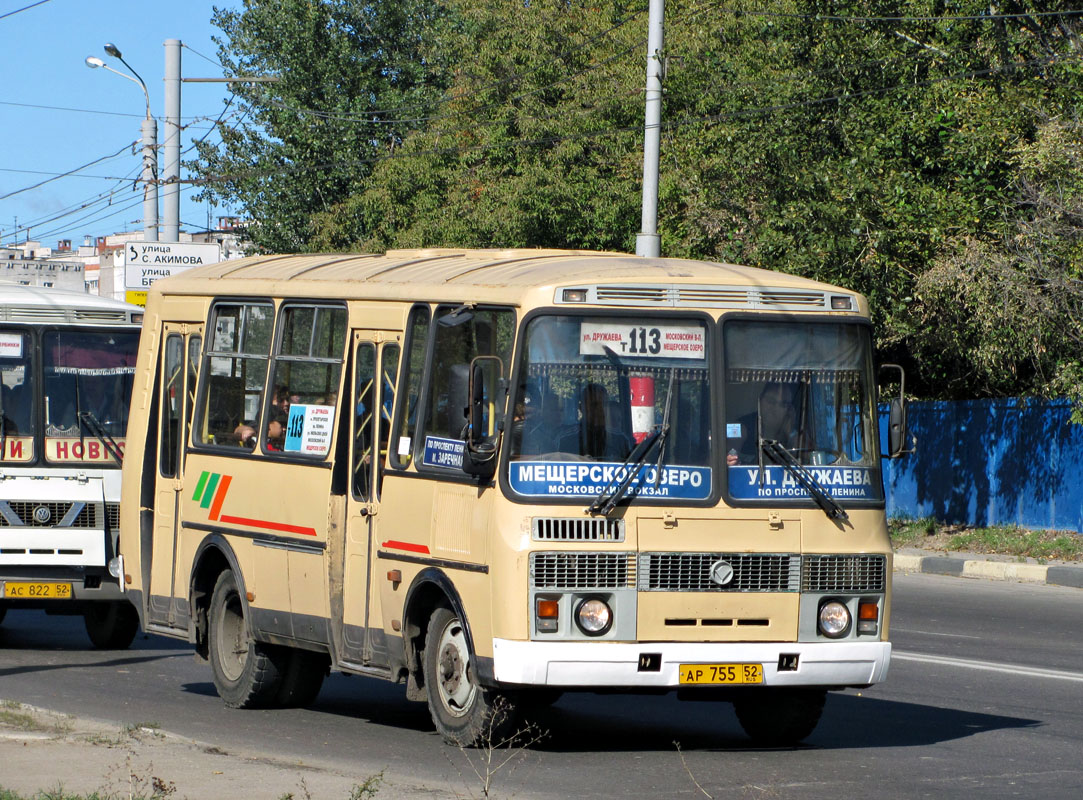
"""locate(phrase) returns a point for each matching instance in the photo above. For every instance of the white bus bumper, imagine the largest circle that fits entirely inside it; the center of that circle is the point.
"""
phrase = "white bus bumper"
(602, 664)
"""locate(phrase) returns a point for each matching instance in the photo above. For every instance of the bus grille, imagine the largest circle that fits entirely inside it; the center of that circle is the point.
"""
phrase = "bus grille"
(844, 573)
(19, 513)
(691, 572)
(559, 529)
(112, 516)
(582, 570)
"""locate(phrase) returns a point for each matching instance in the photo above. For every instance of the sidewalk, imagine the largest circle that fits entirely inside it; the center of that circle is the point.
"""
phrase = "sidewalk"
(45, 753)
(996, 567)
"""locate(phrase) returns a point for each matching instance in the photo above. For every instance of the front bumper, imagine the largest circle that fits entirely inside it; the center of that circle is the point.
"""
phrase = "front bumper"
(617, 664)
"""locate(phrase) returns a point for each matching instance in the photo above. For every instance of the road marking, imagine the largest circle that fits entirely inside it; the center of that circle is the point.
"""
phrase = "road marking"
(990, 666)
(934, 633)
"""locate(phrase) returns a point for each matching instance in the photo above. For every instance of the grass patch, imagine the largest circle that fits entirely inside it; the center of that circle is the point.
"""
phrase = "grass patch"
(1009, 540)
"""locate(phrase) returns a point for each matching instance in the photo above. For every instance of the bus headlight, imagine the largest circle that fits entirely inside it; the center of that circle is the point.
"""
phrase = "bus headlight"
(834, 619)
(594, 616)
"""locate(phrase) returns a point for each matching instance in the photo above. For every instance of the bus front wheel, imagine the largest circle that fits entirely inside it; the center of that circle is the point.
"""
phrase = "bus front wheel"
(111, 626)
(465, 713)
(247, 673)
(780, 717)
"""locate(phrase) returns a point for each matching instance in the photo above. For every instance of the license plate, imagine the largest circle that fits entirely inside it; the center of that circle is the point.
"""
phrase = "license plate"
(26, 590)
(711, 674)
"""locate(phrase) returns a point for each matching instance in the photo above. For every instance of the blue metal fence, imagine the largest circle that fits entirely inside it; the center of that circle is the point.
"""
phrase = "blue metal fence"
(990, 462)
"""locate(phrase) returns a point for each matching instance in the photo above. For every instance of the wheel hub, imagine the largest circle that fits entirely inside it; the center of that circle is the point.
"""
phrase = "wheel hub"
(451, 669)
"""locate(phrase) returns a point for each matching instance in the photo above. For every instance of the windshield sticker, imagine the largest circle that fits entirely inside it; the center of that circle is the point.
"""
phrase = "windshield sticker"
(308, 429)
(440, 452)
(581, 479)
(840, 483)
(645, 341)
(11, 345)
(17, 448)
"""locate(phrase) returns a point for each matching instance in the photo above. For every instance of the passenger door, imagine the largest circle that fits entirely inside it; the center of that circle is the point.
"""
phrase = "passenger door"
(167, 602)
(375, 373)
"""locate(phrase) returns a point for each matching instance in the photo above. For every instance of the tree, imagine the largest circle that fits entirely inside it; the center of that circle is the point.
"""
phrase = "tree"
(354, 78)
(536, 144)
(923, 152)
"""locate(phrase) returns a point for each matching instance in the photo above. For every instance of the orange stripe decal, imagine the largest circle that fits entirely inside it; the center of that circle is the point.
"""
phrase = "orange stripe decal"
(268, 525)
(220, 496)
(408, 546)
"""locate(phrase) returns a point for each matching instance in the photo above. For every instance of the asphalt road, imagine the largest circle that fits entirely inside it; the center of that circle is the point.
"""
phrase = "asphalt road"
(985, 694)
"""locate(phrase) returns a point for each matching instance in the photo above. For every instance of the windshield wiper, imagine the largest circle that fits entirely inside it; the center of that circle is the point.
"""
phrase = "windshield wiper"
(92, 423)
(606, 501)
(780, 455)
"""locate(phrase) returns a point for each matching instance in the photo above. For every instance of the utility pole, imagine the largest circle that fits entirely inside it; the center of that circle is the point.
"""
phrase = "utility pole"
(171, 145)
(648, 242)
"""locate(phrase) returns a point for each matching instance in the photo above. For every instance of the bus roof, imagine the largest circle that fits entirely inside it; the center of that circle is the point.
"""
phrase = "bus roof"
(21, 303)
(478, 275)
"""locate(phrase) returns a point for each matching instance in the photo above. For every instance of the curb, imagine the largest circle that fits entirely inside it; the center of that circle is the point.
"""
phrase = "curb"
(1053, 575)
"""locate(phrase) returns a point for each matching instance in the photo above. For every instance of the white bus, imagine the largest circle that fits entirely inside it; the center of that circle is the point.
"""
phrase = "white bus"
(67, 360)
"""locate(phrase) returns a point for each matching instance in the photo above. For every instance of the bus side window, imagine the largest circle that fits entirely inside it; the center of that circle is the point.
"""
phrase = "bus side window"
(412, 369)
(389, 369)
(462, 334)
(172, 400)
(364, 420)
(307, 367)
(235, 371)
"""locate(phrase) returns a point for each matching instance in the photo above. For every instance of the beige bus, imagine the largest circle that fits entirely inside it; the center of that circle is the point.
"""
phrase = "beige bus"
(500, 476)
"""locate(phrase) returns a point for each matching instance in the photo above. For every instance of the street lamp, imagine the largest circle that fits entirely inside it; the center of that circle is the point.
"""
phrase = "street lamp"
(149, 130)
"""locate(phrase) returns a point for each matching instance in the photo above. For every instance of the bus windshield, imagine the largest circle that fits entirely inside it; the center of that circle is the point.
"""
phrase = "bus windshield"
(800, 394)
(592, 387)
(87, 389)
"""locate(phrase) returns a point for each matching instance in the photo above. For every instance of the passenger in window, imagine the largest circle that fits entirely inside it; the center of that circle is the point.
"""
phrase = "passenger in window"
(595, 436)
(777, 412)
(245, 434)
(276, 432)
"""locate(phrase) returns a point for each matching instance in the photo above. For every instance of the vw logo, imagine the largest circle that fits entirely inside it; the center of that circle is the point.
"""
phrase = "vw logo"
(721, 573)
(42, 515)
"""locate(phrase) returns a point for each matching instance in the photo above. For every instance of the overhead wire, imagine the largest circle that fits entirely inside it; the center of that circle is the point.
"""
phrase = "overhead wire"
(60, 175)
(24, 8)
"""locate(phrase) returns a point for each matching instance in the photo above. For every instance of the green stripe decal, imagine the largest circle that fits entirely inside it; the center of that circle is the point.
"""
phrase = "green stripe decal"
(208, 495)
(200, 485)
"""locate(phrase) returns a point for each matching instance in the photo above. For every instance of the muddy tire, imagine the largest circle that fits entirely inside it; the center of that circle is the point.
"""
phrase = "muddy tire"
(780, 717)
(465, 713)
(111, 626)
(247, 673)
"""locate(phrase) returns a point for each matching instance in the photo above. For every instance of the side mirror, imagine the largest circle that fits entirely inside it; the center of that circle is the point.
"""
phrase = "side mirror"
(897, 432)
(479, 458)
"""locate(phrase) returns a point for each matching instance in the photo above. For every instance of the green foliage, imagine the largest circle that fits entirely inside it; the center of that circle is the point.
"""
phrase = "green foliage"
(920, 152)
(353, 78)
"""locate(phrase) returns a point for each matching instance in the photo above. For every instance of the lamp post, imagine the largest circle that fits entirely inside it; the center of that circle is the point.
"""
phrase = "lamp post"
(149, 130)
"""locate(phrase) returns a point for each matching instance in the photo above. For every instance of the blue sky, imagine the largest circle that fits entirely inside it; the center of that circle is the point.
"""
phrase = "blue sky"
(57, 114)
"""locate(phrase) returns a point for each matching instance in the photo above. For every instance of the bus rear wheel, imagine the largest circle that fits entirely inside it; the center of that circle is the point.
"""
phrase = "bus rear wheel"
(465, 713)
(780, 717)
(111, 626)
(247, 673)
